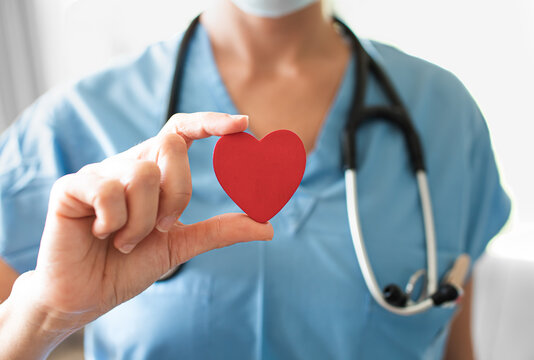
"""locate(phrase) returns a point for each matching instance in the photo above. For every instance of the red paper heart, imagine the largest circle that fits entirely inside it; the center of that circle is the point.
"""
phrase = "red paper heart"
(260, 176)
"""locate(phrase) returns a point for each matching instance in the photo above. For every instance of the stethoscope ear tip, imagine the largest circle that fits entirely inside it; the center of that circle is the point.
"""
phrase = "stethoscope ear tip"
(395, 296)
(451, 289)
(446, 293)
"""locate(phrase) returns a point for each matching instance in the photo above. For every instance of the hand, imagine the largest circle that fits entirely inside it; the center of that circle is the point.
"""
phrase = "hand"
(112, 228)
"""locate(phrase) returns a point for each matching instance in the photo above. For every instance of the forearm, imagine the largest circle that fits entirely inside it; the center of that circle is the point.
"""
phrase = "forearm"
(460, 343)
(28, 331)
(7, 277)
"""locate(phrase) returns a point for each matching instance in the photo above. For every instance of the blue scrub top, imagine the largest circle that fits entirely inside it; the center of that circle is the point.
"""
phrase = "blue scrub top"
(302, 295)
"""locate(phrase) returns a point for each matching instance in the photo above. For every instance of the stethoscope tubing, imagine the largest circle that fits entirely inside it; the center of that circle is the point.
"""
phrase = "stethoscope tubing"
(397, 115)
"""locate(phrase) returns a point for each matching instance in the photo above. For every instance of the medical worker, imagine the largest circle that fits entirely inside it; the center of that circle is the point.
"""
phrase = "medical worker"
(127, 198)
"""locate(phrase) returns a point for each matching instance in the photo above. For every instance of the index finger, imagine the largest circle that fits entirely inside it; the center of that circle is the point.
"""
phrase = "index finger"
(201, 125)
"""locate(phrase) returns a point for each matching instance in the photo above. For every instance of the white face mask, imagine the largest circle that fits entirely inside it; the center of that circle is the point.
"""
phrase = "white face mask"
(271, 8)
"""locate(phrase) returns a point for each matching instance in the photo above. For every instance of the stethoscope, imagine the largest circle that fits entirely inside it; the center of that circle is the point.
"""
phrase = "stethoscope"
(392, 298)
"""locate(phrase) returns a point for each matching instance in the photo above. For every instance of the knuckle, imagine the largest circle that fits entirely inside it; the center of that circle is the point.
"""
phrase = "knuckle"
(60, 185)
(147, 172)
(118, 220)
(109, 190)
(88, 168)
(179, 199)
(175, 119)
(178, 250)
(173, 143)
(219, 228)
(186, 193)
(208, 114)
(182, 192)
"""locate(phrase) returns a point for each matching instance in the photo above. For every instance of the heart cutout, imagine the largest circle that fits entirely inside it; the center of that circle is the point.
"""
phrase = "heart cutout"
(260, 176)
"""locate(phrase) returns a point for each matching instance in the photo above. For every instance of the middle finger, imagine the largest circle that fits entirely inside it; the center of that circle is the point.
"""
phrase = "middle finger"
(142, 197)
(175, 183)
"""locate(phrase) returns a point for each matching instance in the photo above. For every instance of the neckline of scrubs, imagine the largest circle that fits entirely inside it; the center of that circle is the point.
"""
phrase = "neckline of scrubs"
(323, 163)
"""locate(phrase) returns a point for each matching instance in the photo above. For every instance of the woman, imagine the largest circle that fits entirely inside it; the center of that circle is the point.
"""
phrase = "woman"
(112, 227)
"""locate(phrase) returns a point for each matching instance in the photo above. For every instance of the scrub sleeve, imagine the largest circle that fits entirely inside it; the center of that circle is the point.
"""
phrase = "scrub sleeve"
(30, 162)
(69, 127)
(489, 206)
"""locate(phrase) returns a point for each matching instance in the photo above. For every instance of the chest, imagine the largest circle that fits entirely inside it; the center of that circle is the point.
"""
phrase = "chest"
(295, 99)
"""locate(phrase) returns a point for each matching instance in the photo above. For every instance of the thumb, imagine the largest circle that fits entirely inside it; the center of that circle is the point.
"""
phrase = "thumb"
(188, 241)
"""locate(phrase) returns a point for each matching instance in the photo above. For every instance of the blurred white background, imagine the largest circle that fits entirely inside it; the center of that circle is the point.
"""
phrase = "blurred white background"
(488, 44)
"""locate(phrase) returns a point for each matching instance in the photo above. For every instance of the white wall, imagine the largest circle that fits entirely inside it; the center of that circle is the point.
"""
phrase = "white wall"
(20, 80)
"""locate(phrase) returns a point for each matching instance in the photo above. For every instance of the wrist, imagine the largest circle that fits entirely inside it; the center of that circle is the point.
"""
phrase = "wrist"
(29, 329)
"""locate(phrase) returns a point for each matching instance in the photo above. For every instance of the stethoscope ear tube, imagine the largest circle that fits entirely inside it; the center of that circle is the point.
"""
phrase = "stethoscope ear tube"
(451, 288)
(359, 114)
(395, 115)
(176, 86)
(393, 299)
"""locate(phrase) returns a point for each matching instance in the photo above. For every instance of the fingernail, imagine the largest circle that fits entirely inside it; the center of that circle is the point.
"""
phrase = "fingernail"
(103, 237)
(126, 248)
(239, 117)
(166, 223)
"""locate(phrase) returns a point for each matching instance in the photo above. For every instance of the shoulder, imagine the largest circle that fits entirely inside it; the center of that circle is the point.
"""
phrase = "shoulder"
(120, 85)
(146, 73)
(410, 71)
(440, 105)
(461, 166)
(95, 116)
(135, 84)
(419, 80)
